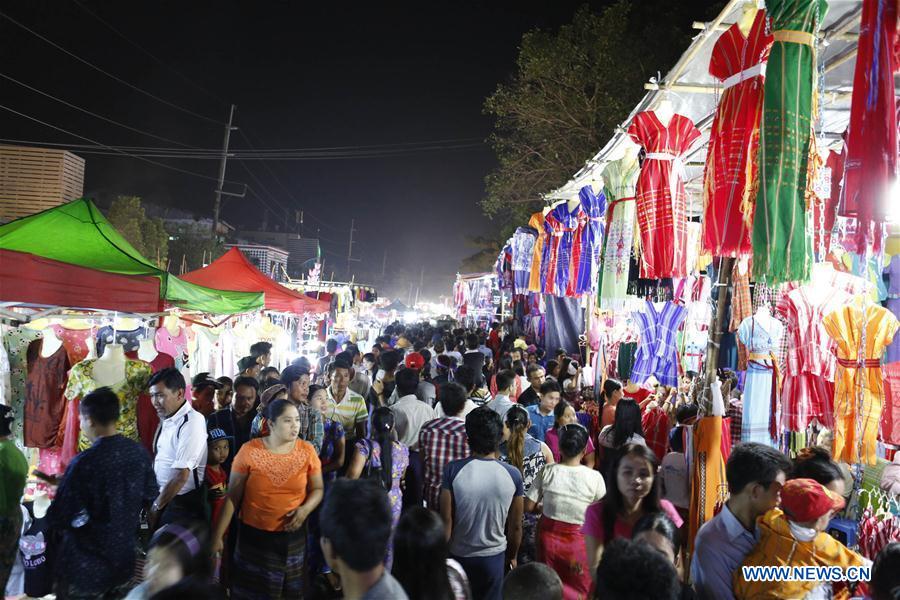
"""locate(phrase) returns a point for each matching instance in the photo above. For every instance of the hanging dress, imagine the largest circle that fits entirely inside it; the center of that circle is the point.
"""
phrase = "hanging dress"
(657, 354)
(620, 178)
(560, 226)
(779, 222)
(859, 382)
(590, 232)
(730, 178)
(536, 222)
(661, 199)
(522, 251)
(872, 141)
(760, 335)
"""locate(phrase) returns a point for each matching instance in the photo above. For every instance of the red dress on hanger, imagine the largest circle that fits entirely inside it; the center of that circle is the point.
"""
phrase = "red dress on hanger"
(730, 178)
(872, 138)
(661, 199)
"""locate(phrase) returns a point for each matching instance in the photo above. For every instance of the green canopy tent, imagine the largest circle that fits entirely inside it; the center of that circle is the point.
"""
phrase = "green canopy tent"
(77, 233)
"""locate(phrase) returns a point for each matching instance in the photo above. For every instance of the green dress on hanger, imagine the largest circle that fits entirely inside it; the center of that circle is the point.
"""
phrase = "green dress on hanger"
(782, 249)
(620, 179)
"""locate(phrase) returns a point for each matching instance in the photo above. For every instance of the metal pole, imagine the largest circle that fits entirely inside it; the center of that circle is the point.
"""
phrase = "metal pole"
(350, 247)
(218, 205)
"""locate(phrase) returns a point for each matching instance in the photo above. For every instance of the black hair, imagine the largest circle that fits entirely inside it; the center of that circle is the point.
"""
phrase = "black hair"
(484, 428)
(170, 378)
(6, 418)
(885, 576)
(339, 363)
(552, 364)
(226, 381)
(466, 377)
(247, 362)
(691, 375)
(516, 420)
(452, 397)
(248, 382)
(614, 502)
(292, 374)
(660, 523)
(260, 349)
(390, 360)
(101, 406)
(352, 350)
(439, 346)
(190, 545)
(815, 463)
(532, 368)
(276, 408)
(532, 581)
(573, 439)
(564, 371)
(627, 422)
(407, 381)
(344, 356)
(420, 555)
(559, 410)
(331, 346)
(751, 462)
(550, 386)
(315, 388)
(676, 439)
(472, 341)
(504, 379)
(356, 519)
(686, 412)
(519, 368)
(610, 386)
(269, 370)
(383, 433)
(634, 571)
(369, 357)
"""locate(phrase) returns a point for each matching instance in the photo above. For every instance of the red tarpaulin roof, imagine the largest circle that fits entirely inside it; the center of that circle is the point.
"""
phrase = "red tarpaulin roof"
(232, 271)
(32, 279)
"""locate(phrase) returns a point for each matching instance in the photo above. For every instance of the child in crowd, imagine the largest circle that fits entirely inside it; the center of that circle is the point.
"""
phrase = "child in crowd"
(216, 479)
(794, 536)
(225, 393)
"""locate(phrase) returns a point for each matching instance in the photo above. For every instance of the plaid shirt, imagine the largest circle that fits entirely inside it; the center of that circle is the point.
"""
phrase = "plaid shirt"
(441, 441)
(312, 429)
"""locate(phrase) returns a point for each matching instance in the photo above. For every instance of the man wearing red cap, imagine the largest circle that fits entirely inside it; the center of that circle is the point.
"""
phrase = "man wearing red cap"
(425, 391)
(794, 536)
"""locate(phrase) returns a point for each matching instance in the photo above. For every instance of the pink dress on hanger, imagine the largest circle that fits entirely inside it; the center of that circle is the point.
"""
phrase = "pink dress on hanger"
(661, 199)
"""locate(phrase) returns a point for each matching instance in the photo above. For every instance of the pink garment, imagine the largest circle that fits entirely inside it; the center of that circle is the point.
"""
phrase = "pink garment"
(76, 342)
(551, 438)
(593, 521)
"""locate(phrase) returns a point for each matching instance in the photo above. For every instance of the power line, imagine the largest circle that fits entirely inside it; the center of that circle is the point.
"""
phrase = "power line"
(241, 155)
(95, 115)
(265, 190)
(110, 75)
(119, 152)
(158, 60)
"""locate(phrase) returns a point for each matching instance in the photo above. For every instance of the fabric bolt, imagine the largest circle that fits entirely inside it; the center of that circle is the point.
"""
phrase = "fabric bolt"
(536, 222)
(97, 510)
(661, 199)
(621, 178)
(859, 383)
(760, 333)
(371, 451)
(16, 342)
(871, 165)
(709, 487)
(561, 250)
(657, 354)
(44, 401)
(741, 303)
(137, 374)
(522, 246)
(785, 143)
(591, 229)
(77, 342)
(730, 177)
(441, 441)
(129, 339)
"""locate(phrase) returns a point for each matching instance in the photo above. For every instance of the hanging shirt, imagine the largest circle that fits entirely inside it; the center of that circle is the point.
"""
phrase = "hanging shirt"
(44, 402)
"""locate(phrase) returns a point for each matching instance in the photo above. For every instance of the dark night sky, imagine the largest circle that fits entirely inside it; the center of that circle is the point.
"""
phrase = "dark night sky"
(302, 74)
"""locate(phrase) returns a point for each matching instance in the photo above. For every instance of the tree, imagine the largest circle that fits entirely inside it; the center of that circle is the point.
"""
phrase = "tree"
(148, 236)
(570, 91)
(485, 257)
(190, 250)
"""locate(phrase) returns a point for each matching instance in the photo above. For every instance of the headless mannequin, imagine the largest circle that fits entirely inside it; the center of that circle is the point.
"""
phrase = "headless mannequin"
(172, 325)
(664, 111)
(748, 15)
(147, 351)
(573, 203)
(109, 369)
(50, 343)
(127, 324)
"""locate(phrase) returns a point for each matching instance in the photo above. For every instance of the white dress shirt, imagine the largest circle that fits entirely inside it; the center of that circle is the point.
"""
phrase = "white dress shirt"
(410, 414)
(181, 444)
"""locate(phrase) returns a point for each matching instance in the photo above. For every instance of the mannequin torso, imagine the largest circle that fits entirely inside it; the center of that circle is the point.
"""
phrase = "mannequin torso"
(50, 343)
(664, 111)
(147, 350)
(109, 369)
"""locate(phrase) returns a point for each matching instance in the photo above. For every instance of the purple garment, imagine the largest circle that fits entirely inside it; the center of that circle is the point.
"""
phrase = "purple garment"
(560, 225)
(892, 270)
(594, 209)
(522, 244)
(657, 353)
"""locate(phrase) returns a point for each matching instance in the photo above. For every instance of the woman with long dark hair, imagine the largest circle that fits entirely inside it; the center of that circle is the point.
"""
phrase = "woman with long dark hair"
(384, 459)
(421, 559)
(626, 429)
(816, 464)
(610, 395)
(632, 492)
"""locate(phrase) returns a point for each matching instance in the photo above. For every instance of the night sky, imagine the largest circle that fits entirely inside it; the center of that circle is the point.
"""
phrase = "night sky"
(302, 74)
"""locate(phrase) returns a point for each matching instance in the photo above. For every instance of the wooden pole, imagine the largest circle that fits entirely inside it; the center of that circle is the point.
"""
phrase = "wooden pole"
(717, 323)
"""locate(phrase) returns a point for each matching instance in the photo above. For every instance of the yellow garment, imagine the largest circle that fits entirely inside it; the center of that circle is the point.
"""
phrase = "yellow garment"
(777, 547)
(534, 280)
(708, 485)
(858, 393)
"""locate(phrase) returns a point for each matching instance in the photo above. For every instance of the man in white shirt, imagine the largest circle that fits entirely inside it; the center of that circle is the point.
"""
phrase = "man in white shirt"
(410, 414)
(179, 449)
(501, 403)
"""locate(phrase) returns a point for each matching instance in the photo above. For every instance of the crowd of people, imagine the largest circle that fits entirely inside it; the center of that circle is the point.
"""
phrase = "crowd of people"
(436, 464)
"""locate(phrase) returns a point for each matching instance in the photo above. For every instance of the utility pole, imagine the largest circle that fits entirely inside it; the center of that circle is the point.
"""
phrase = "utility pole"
(350, 247)
(383, 264)
(218, 205)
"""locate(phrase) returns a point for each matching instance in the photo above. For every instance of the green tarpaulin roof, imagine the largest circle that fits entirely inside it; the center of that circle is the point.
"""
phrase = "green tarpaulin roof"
(77, 233)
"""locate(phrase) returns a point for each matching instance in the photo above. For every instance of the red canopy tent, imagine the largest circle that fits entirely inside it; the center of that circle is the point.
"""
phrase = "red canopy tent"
(31, 279)
(232, 271)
